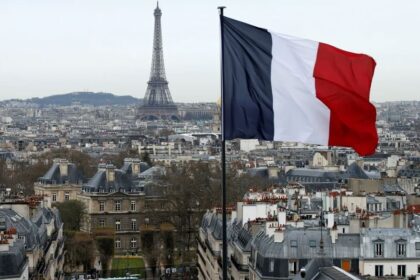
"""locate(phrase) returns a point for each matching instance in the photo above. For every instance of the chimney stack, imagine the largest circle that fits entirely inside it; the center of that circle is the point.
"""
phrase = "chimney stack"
(110, 172)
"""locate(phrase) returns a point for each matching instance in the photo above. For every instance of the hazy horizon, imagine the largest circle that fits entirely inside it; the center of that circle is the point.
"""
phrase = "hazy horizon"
(55, 47)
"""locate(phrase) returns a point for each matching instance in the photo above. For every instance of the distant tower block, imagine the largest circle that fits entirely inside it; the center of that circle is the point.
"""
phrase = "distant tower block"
(157, 103)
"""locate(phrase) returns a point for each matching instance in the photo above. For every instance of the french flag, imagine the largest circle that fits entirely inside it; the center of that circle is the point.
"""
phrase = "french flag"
(282, 88)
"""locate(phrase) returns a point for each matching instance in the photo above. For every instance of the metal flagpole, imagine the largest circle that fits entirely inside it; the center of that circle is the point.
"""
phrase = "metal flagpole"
(223, 159)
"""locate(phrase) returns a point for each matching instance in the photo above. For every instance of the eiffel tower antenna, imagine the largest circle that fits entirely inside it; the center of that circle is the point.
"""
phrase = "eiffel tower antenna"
(157, 102)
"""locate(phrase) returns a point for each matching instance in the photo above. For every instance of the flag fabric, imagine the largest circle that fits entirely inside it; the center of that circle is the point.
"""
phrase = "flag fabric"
(282, 88)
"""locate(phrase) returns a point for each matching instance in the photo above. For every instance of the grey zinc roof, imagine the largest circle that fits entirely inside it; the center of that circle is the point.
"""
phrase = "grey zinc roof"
(347, 245)
(211, 224)
(39, 221)
(205, 222)
(153, 172)
(13, 261)
(244, 239)
(387, 232)
(321, 175)
(355, 171)
(53, 175)
(394, 188)
(23, 227)
(313, 266)
(98, 182)
(127, 167)
(332, 273)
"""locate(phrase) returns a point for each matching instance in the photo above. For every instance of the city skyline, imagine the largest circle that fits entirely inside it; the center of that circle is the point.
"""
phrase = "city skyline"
(56, 47)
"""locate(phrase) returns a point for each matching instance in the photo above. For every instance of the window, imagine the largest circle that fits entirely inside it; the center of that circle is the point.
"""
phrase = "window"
(21, 237)
(292, 267)
(271, 265)
(133, 243)
(379, 270)
(117, 225)
(418, 268)
(133, 206)
(293, 243)
(101, 223)
(133, 224)
(417, 249)
(117, 243)
(401, 249)
(54, 197)
(101, 206)
(66, 196)
(401, 270)
(379, 249)
(312, 243)
(118, 205)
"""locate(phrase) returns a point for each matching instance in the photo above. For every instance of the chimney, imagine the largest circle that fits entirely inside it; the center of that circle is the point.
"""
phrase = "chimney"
(64, 167)
(101, 167)
(135, 165)
(233, 215)
(279, 235)
(334, 234)
(271, 227)
(281, 217)
(7, 238)
(330, 220)
(273, 172)
(110, 172)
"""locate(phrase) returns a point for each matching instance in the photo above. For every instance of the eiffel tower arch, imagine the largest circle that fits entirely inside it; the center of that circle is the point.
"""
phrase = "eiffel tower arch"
(157, 102)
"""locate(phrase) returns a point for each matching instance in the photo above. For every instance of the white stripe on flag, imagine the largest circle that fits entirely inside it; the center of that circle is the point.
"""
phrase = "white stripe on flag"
(298, 115)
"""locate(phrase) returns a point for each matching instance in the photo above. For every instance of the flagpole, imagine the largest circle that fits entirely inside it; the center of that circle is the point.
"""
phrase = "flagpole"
(223, 159)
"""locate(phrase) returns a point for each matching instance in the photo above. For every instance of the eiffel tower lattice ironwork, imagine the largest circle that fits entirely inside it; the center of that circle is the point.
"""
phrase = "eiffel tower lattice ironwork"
(157, 102)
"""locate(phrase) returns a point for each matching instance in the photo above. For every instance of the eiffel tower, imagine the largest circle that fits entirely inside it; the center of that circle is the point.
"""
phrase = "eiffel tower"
(157, 102)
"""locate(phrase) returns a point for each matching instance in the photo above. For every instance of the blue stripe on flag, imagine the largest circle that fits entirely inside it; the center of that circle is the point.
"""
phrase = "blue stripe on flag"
(248, 99)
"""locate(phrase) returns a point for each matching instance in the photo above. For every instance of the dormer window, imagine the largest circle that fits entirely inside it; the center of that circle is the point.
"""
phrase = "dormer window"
(401, 248)
(312, 243)
(21, 237)
(378, 248)
(293, 243)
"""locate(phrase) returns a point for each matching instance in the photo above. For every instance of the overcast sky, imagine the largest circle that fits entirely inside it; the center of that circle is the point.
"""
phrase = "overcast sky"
(56, 46)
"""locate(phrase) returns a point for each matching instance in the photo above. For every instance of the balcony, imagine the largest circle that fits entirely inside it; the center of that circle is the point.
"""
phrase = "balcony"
(239, 267)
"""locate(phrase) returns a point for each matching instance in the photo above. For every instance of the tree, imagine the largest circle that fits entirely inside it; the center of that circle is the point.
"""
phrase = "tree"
(22, 176)
(80, 250)
(105, 245)
(86, 164)
(72, 214)
(193, 187)
(118, 160)
(145, 157)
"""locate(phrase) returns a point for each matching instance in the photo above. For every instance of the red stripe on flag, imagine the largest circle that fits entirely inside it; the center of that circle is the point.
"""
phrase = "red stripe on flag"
(342, 83)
